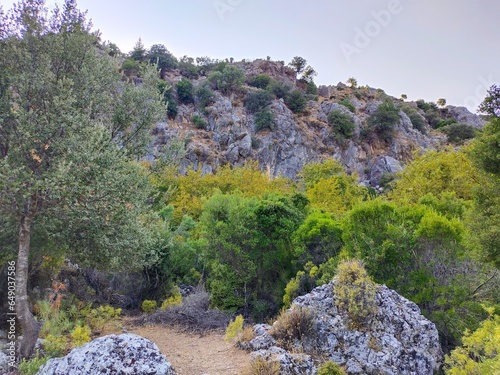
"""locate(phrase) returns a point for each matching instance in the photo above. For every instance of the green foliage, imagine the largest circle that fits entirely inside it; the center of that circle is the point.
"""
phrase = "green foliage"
(280, 89)
(384, 120)
(160, 56)
(185, 91)
(416, 119)
(486, 149)
(484, 220)
(318, 238)
(258, 100)
(264, 119)
(352, 82)
(187, 68)
(330, 368)
(174, 299)
(139, 51)
(295, 101)
(491, 104)
(458, 133)
(130, 67)
(342, 125)
(80, 335)
(316, 171)
(99, 317)
(249, 249)
(311, 89)
(355, 292)
(298, 64)
(294, 324)
(234, 328)
(227, 80)
(148, 306)
(203, 96)
(479, 352)
(55, 346)
(198, 121)
(31, 366)
(347, 103)
(168, 99)
(437, 172)
(261, 81)
(446, 122)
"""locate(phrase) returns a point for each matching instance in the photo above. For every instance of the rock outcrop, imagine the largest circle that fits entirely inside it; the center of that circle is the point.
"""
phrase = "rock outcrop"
(112, 354)
(230, 135)
(397, 340)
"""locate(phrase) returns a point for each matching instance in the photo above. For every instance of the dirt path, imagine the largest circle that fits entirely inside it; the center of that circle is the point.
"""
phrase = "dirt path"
(192, 354)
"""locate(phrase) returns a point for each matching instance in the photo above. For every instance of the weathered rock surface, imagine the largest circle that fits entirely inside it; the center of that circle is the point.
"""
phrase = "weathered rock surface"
(398, 340)
(112, 354)
(230, 136)
(463, 115)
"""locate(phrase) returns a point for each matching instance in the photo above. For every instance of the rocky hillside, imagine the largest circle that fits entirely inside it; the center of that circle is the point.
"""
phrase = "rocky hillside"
(227, 128)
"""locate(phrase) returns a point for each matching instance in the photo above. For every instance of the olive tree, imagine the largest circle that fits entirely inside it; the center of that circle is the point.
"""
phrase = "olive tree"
(70, 132)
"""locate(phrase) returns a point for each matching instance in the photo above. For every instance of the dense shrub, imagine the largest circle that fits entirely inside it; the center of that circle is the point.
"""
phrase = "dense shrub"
(446, 122)
(31, 366)
(203, 96)
(264, 119)
(234, 328)
(148, 306)
(198, 121)
(355, 292)
(280, 89)
(416, 119)
(174, 299)
(311, 88)
(458, 133)
(258, 100)
(384, 120)
(295, 101)
(228, 79)
(168, 99)
(347, 103)
(185, 91)
(342, 124)
(330, 368)
(130, 67)
(261, 81)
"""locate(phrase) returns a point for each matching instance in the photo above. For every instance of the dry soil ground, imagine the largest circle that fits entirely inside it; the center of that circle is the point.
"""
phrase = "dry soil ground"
(192, 354)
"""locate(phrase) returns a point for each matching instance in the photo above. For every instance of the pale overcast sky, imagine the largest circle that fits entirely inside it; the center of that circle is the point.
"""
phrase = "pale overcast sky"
(423, 48)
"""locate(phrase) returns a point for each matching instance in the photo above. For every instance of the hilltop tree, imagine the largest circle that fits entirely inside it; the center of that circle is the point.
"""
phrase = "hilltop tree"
(298, 64)
(441, 102)
(352, 82)
(138, 52)
(69, 133)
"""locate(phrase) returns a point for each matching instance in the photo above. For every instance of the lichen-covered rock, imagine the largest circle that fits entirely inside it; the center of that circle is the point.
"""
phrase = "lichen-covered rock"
(112, 354)
(398, 340)
(290, 363)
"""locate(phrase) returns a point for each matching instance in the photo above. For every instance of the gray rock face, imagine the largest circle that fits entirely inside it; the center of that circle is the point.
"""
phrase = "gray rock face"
(463, 115)
(383, 164)
(112, 354)
(399, 340)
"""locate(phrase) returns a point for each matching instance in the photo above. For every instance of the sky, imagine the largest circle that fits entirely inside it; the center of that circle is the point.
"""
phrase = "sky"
(426, 49)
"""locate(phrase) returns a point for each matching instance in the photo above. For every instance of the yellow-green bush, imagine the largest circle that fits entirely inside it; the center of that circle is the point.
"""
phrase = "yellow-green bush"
(174, 300)
(480, 350)
(234, 328)
(330, 368)
(31, 366)
(148, 305)
(55, 346)
(355, 292)
(80, 335)
(99, 317)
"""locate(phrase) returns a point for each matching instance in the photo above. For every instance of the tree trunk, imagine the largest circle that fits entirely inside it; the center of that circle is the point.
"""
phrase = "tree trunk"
(29, 326)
